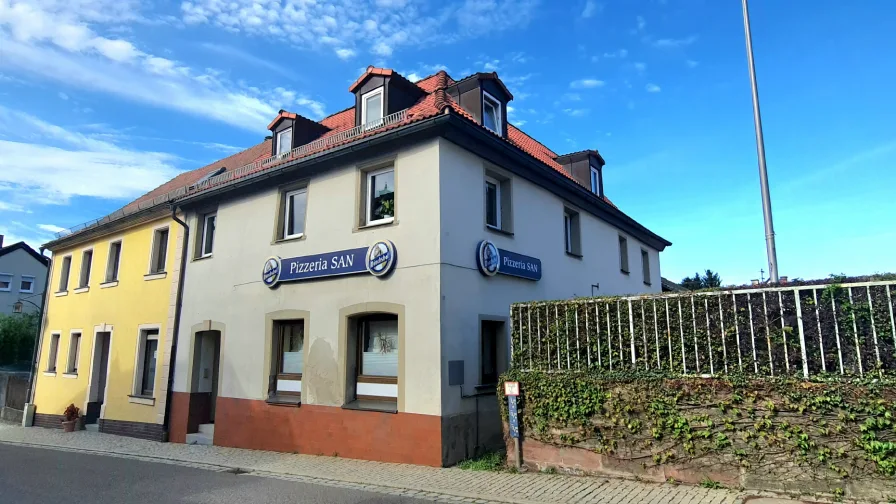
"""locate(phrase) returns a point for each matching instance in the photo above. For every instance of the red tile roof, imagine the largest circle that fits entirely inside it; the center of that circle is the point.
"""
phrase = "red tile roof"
(282, 115)
(435, 102)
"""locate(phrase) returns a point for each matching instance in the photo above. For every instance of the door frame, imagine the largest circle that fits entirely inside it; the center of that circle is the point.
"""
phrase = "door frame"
(102, 328)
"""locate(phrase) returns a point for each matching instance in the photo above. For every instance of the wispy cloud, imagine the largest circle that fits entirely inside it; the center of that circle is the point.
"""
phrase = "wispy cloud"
(621, 53)
(591, 8)
(653, 88)
(641, 23)
(691, 63)
(575, 112)
(51, 228)
(12, 207)
(586, 83)
(239, 54)
(640, 67)
(572, 97)
(671, 43)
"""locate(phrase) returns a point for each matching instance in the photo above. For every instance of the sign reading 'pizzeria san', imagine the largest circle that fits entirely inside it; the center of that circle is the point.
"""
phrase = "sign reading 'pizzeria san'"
(377, 259)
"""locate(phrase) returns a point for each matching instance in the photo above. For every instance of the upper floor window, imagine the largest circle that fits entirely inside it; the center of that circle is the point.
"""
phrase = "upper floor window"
(491, 113)
(86, 263)
(595, 181)
(492, 202)
(571, 238)
(159, 251)
(294, 204)
(5, 282)
(380, 204)
(645, 266)
(208, 234)
(372, 108)
(284, 141)
(623, 254)
(114, 260)
(27, 284)
(64, 273)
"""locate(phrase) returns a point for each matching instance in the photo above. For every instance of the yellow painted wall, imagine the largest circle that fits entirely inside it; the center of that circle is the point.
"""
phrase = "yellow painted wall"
(133, 302)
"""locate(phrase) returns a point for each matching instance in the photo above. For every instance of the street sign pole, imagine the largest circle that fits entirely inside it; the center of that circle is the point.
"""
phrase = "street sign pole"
(512, 391)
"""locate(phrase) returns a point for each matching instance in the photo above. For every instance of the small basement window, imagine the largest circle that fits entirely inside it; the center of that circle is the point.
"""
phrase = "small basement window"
(491, 113)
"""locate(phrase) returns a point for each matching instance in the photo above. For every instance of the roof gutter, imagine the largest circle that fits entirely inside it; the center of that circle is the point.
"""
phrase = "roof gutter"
(178, 302)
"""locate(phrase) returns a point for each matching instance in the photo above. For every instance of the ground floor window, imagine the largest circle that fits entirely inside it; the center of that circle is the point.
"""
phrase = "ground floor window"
(289, 356)
(147, 355)
(377, 340)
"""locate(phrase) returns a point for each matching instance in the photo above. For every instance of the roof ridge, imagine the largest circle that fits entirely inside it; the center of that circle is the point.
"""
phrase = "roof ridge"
(533, 139)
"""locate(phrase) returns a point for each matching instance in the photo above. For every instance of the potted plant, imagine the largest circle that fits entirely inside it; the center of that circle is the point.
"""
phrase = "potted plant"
(70, 418)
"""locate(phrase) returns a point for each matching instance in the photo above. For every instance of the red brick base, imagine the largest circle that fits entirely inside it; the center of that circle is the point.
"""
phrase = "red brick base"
(319, 430)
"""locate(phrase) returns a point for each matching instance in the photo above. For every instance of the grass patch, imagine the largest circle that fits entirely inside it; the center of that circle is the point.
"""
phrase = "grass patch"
(491, 461)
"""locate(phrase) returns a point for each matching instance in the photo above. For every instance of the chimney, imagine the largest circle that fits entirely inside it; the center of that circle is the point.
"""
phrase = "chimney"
(783, 279)
(755, 282)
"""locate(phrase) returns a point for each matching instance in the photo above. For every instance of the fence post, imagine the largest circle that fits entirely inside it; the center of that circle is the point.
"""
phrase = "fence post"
(722, 325)
(820, 338)
(694, 321)
(753, 336)
(783, 332)
(855, 332)
(873, 329)
(837, 332)
(631, 331)
(768, 336)
(799, 322)
(712, 369)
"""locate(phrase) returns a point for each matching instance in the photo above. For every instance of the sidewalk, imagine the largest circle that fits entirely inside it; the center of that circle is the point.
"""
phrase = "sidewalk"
(443, 485)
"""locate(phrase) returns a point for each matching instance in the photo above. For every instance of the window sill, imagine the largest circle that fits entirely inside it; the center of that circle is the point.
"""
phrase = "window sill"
(81, 289)
(144, 400)
(300, 236)
(49, 373)
(155, 276)
(367, 405)
(201, 258)
(69, 375)
(385, 222)
(284, 400)
(624, 272)
(25, 292)
(61, 293)
(493, 229)
(648, 284)
(5, 290)
(573, 254)
(106, 285)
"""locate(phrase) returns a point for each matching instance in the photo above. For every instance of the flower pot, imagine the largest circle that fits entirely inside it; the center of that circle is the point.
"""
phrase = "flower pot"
(69, 426)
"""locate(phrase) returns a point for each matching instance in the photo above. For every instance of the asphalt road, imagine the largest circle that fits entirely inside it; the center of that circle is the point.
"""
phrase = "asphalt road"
(36, 475)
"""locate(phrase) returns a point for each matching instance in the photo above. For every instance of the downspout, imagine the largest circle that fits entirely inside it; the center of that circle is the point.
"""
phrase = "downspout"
(177, 308)
(40, 332)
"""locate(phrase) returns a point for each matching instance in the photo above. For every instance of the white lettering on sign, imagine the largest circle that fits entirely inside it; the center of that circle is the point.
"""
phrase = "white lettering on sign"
(345, 261)
(307, 267)
(512, 388)
(524, 265)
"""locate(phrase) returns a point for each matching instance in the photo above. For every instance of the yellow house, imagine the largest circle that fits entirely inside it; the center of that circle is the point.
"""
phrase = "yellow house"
(108, 324)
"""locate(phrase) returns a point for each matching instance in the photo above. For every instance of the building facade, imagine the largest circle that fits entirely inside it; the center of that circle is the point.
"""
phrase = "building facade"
(354, 299)
(23, 277)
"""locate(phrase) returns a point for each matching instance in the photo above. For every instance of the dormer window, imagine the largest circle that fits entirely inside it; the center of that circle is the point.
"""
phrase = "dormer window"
(284, 141)
(372, 108)
(491, 113)
(595, 180)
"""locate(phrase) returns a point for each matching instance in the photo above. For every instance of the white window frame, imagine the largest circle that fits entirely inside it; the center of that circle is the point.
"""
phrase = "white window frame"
(74, 352)
(205, 219)
(567, 231)
(53, 353)
(120, 243)
(287, 212)
(486, 98)
(498, 224)
(140, 357)
(368, 198)
(26, 277)
(152, 251)
(85, 282)
(8, 289)
(67, 273)
(280, 142)
(595, 180)
(366, 96)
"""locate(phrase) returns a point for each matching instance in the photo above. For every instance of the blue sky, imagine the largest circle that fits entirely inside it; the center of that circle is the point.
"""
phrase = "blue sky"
(102, 100)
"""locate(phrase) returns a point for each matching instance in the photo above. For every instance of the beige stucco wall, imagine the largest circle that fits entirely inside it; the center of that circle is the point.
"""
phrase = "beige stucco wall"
(538, 232)
(227, 287)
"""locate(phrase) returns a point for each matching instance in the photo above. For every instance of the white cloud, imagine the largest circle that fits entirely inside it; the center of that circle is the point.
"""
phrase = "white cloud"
(586, 83)
(51, 228)
(62, 96)
(12, 207)
(361, 25)
(345, 54)
(652, 88)
(622, 53)
(49, 164)
(575, 112)
(640, 67)
(237, 53)
(519, 122)
(669, 43)
(413, 77)
(641, 23)
(572, 97)
(591, 8)
(691, 63)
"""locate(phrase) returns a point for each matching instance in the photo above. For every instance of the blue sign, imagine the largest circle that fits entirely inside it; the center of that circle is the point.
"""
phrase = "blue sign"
(513, 417)
(491, 260)
(378, 260)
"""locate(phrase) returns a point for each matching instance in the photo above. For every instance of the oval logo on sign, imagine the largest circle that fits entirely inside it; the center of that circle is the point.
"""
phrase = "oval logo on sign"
(487, 258)
(380, 258)
(270, 275)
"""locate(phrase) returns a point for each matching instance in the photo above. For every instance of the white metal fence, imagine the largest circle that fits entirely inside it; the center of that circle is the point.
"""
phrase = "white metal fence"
(806, 330)
(244, 171)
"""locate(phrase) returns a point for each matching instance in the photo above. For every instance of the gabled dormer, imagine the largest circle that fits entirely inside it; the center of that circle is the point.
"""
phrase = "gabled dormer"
(485, 97)
(290, 130)
(381, 92)
(587, 168)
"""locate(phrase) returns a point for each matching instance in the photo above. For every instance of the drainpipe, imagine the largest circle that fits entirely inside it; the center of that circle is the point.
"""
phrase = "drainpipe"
(177, 307)
(28, 415)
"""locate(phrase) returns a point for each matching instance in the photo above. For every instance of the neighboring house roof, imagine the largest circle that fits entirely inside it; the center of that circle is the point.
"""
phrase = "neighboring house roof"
(670, 286)
(27, 248)
(258, 157)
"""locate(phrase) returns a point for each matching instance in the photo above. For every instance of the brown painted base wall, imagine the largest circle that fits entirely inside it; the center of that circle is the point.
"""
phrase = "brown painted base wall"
(318, 430)
(47, 421)
(141, 430)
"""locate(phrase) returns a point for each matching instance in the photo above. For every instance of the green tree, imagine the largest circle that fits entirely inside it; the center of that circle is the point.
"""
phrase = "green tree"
(17, 333)
(709, 280)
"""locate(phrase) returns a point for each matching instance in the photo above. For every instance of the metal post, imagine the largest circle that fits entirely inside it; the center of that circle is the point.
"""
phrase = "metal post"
(873, 329)
(529, 331)
(753, 335)
(722, 324)
(631, 331)
(587, 337)
(684, 361)
(740, 361)
(783, 332)
(712, 369)
(855, 332)
(824, 368)
(799, 321)
(760, 151)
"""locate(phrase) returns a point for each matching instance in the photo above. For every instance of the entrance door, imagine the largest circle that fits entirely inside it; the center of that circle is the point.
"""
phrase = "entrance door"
(96, 394)
(206, 357)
